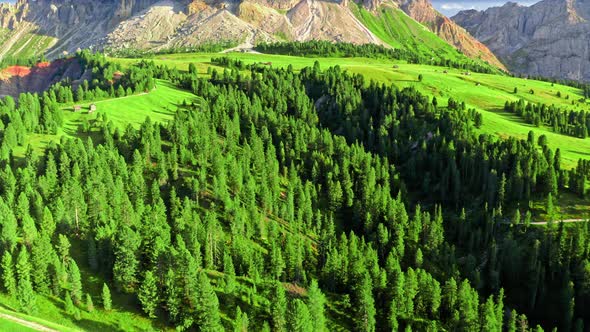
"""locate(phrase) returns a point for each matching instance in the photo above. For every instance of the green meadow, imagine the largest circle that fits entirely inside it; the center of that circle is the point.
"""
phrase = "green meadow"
(159, 105)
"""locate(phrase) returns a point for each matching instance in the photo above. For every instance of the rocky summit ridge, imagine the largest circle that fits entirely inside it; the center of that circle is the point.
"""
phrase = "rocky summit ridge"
(67, 25)
(550, 38)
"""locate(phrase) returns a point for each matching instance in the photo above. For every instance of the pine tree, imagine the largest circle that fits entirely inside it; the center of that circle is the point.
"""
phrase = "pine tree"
(8, 233)
(365, 304)
(299, 317)
(549, 207)
(511, 324)
(278, 310)
(516, 217)
(173, 300)
(8, 278)
(24, 292)
(241, 323)
(207, 315)
(89, 303)
(75, 282)
(148, 294)
(106, 297)
(69, 306)
(316, 301)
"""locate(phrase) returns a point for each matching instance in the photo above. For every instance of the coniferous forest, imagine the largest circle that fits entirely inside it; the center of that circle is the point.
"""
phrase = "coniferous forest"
(286, 200)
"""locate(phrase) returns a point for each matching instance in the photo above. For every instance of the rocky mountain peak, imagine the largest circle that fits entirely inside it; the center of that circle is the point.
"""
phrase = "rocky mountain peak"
(157, 24)
(549, 38)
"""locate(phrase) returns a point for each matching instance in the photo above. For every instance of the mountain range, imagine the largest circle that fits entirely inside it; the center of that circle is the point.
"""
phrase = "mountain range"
(549, 38)
(56, 26)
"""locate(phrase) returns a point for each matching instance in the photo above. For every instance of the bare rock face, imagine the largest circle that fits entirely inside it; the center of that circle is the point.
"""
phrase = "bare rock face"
(423, 12)
(550, 38)
(158, 24)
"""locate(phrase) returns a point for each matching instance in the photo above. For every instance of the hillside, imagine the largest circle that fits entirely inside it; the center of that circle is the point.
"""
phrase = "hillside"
(258, 192)
(486, 92)
(546, 39)
(37, 27)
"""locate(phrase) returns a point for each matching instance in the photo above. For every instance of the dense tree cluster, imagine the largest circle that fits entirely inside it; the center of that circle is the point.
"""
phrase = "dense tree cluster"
(322, 48)
(568, 122)
(208, 47)
(43, 113)
(277, 192)
(19, 61)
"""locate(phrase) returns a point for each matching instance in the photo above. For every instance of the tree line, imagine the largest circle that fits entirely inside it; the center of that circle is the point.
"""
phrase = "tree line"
(567, 122)
(322, 48)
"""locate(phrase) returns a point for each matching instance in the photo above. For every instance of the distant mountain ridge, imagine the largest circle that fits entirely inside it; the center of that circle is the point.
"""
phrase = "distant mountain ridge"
(56, 26)
(550, 38)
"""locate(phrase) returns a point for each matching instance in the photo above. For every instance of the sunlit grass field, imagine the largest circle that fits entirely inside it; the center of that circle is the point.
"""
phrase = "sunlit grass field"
(159, 105)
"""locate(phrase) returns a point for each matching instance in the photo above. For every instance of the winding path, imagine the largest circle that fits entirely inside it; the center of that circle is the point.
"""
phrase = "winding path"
(26, 323)
(558, 221)
(507, 222)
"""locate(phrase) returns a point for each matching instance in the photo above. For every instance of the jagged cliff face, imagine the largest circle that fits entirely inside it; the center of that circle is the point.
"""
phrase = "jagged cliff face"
(423, 12)
(550, 38)
(156, 24)
(74, 23)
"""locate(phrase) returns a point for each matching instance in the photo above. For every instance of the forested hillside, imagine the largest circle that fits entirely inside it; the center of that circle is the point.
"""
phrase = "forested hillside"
(284, 200)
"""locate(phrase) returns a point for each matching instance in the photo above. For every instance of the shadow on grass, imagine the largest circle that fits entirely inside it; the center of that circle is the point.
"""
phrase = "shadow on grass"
(91, 325)
(583, 153)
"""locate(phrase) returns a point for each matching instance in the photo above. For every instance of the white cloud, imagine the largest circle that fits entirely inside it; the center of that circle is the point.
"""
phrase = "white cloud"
(452, 6)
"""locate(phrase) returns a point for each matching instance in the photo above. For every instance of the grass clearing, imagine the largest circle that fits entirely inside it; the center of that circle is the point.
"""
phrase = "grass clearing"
(159, 105)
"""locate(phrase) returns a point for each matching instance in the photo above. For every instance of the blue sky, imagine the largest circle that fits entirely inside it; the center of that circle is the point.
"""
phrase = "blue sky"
(451, 7)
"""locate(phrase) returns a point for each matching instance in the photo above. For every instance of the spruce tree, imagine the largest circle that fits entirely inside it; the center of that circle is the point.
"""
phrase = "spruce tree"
(148, 294)
(106, 297)
(89, 303)
(207, 311)
(75, 282)
(8, 278)
(316, 301)
(24, 293)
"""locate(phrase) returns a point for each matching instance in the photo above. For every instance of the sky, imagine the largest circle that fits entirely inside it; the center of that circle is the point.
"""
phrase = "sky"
(451, 7)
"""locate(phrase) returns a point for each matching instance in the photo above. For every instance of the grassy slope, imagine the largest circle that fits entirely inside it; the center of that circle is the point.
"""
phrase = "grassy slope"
(489, 97)
(397, 29)
(7, 325)
(50, 312)
(28, 46)
(159, 105)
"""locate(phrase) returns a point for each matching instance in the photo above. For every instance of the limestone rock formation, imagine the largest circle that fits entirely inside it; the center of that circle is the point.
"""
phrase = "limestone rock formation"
(550, 38)
(423, 12)
(157, 24)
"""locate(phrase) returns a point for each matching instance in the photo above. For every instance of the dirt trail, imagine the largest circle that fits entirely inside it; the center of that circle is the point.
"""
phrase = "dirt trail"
(555, 221)
(558, 221)
(32, 325)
